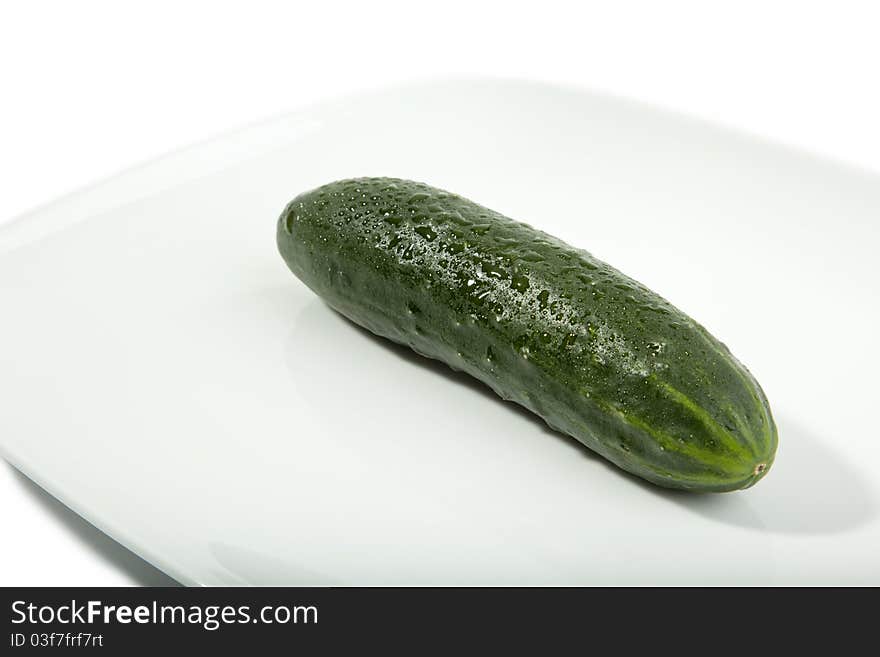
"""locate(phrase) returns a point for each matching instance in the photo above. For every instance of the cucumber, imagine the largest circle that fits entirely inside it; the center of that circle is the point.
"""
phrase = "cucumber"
(594, 353)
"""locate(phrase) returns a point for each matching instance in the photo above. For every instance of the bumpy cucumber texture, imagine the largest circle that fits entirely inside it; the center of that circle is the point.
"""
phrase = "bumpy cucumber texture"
(594, 353)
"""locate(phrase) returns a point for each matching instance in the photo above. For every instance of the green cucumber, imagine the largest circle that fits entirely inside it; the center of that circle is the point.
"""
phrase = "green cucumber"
(594, 353)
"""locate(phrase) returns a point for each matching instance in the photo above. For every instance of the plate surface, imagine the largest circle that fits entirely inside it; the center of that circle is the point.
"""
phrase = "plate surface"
(164, 375)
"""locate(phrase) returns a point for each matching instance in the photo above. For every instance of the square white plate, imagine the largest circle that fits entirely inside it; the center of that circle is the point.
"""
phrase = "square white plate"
(165, 376)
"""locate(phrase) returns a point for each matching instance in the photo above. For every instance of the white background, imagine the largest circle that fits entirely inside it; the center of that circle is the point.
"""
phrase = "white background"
(88, 88)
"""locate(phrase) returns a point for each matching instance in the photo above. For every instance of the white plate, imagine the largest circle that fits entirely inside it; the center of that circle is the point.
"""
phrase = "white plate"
(164, 375)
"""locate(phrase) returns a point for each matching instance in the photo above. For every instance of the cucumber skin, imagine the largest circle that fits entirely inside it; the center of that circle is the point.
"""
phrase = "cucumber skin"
(594, 353)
